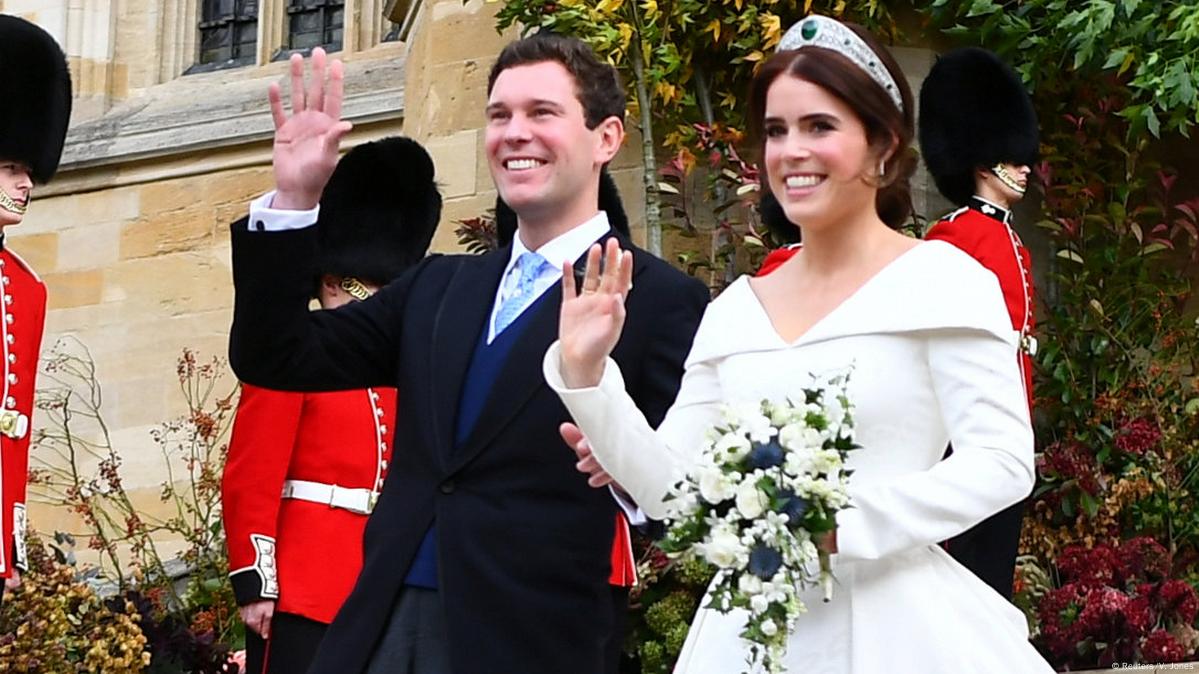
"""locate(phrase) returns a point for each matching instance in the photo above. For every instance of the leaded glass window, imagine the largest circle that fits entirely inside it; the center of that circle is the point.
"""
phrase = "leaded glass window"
(228, 32)
(315, 23)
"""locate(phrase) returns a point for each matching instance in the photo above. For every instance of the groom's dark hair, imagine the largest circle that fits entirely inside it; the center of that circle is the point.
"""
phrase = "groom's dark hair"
(597, 84)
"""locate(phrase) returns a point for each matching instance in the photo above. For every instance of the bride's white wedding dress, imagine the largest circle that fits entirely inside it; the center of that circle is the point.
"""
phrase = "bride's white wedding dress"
(934, 361)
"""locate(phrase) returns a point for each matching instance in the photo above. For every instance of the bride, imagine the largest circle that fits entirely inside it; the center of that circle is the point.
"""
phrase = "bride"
(923, 327)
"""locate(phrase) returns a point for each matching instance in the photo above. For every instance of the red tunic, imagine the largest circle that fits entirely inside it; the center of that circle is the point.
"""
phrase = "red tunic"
(991, 241)
(304, 554)
(24, 304)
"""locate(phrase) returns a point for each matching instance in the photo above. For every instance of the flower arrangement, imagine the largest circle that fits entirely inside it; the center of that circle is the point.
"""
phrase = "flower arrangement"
(767, 488)
(1117, 603)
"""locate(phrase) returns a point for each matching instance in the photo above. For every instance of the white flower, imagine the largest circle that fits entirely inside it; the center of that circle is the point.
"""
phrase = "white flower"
(723, 547)
(684, 505)
(769, 628)
(799, 437)
(750, 500)
(749, 584)
(715, 486)
(758, 604)
(731, 447)
(834, 413)
(752, 421)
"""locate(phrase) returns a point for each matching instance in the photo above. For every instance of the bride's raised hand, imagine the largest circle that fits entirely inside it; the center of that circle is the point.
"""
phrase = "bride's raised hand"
(592, 316)
(306, 142)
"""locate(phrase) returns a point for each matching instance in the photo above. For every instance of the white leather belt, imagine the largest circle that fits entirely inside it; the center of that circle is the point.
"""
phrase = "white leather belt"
(361, 501)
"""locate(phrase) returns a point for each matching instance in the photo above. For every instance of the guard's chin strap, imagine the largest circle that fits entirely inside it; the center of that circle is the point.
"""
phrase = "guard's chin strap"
(7, 203)
(355, 288)
(1005, 176)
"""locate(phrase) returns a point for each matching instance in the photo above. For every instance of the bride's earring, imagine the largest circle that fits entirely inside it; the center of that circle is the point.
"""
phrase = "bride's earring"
(882, 168)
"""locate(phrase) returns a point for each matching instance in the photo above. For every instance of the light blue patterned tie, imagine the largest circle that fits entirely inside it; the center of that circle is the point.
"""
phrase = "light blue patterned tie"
(530, 265)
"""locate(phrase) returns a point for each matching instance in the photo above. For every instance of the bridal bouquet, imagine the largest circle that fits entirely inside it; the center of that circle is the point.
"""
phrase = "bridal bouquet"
(769, 483)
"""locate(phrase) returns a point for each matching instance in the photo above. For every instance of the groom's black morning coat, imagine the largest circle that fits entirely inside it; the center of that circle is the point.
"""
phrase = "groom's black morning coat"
(523, 542)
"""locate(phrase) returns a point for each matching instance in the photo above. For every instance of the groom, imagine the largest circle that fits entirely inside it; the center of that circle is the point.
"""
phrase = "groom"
(487, 551)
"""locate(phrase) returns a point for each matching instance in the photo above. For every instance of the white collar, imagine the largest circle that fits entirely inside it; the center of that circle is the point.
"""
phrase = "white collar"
(569, 245)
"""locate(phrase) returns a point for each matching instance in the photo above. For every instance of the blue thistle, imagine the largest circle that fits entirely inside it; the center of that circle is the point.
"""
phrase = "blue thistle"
(765, 561)
(766, 455)
(793, 506)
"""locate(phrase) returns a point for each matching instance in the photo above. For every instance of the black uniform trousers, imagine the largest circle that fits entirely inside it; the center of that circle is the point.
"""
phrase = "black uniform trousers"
(291, 648)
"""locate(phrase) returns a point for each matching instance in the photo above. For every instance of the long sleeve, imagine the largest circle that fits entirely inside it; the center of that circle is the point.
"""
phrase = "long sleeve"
(982, 403)
(643, 461)
(260, 449)
(276, 342)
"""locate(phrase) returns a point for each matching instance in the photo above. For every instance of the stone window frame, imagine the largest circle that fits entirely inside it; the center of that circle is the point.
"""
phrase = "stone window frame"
(365, 25)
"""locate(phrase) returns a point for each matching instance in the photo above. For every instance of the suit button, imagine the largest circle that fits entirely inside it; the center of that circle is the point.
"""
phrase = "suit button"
(447, 487)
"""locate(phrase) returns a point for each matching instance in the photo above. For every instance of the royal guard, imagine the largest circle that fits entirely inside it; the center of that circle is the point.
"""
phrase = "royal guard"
(32, 130)
(304, 469)
(978, 137)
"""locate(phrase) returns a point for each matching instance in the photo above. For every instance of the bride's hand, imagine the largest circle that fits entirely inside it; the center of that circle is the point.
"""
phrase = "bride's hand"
(591, 318)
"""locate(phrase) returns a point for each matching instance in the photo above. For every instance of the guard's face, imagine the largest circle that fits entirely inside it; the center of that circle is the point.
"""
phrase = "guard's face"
(541, 154)
(1011, 181)
(16, 184)
(817, 156)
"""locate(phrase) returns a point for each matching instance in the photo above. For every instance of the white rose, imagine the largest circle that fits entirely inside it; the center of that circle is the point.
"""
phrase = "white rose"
(758, 603)
(769, 628)
(749, 584)
(750, 500)
(723, 547)
(715, 486)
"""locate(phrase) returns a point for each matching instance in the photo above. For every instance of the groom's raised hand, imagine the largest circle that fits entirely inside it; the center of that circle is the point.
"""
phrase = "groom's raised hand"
(306, 142)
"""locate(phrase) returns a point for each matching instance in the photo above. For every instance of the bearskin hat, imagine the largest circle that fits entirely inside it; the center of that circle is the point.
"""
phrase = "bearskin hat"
(379, 211)
(609, 202)
(782, 230)
(34, 126)
(974, 112)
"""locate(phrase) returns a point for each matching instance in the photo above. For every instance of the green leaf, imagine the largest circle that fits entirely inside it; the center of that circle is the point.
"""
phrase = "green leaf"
(1115, 58)
(1067, 254)
(1152, 122)
(982, 8)
(1089, 504)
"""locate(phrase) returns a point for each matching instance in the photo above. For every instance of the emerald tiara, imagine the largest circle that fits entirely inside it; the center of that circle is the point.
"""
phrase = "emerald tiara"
(821, 31)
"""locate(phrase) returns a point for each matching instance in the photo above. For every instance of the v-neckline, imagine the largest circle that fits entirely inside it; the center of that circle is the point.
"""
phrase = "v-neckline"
(757, 301)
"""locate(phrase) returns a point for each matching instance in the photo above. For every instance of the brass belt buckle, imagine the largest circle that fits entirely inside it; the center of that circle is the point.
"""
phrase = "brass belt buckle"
(1028, 344)
(13, 424)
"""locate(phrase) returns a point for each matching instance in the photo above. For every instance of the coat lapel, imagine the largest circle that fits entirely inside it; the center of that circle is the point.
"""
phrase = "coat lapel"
(521, 375)
(461, 318)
